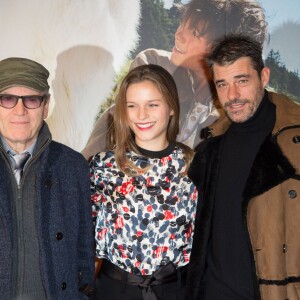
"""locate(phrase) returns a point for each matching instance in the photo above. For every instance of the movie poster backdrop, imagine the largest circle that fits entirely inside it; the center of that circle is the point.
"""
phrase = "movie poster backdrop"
(88, 46)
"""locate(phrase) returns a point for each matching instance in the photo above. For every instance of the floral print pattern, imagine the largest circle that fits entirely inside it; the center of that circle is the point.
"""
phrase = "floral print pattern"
(146, 221)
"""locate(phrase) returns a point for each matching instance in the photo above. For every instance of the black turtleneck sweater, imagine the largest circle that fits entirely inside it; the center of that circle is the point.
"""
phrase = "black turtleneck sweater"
(230, 271)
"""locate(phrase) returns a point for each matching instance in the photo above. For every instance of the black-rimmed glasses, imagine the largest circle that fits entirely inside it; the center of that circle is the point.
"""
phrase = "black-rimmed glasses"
(29, 101)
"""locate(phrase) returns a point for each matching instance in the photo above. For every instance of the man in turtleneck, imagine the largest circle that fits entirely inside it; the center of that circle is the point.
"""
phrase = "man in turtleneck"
(246, 241)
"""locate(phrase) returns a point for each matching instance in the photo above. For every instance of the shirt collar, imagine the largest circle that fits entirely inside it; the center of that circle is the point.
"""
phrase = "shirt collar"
(8, 149)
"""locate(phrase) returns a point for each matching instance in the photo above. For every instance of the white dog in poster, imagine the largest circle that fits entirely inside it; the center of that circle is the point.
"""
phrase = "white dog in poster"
(82, 43)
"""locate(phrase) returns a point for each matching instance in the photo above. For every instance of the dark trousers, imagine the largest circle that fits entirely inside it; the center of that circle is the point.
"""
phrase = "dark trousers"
(112, 289)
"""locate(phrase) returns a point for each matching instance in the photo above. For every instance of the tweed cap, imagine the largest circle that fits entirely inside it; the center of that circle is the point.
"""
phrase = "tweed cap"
(18, 71)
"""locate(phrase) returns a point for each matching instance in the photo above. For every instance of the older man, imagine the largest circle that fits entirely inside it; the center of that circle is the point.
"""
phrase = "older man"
(246, 242)
(46, 233)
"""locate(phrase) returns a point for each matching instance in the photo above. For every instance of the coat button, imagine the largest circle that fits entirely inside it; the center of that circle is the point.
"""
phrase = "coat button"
(59, 236)
(63, 286)
(284, 248)
(48, 183)
(296, 139)
(292, 194)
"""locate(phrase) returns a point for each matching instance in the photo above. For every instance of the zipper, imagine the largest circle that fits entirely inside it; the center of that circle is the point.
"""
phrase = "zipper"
(31, 161)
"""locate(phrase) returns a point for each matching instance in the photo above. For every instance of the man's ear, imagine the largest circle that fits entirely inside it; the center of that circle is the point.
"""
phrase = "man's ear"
(265, 76)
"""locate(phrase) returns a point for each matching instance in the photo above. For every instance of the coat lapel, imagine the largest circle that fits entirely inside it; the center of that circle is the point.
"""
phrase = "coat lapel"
(5, 202)
(270, 168)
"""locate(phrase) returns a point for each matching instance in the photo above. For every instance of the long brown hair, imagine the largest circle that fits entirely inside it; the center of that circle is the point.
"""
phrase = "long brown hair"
(123, 136)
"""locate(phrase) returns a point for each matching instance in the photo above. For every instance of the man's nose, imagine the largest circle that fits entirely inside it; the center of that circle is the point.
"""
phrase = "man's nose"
(233, 92)
(20, 109)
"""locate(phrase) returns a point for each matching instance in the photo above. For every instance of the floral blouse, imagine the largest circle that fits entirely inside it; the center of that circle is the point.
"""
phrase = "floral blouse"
(146, 221)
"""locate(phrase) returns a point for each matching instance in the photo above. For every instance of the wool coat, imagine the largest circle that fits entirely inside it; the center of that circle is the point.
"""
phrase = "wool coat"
(270, 209)
(62, 211)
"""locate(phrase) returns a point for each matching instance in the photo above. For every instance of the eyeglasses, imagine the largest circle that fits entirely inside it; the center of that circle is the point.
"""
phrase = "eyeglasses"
(30, 101)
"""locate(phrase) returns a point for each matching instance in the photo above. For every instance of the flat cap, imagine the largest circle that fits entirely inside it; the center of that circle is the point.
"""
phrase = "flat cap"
(18, 71)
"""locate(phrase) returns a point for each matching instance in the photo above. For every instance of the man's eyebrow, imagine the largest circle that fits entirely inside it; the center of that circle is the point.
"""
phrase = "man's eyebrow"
(242, 76)
(235, 77)
(219, 81)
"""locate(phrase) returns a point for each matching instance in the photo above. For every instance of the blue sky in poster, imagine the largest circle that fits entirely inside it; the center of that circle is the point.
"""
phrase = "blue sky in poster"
(277, 11)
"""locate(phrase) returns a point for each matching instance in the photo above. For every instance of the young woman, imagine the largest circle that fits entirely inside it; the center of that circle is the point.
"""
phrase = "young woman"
(144, 203)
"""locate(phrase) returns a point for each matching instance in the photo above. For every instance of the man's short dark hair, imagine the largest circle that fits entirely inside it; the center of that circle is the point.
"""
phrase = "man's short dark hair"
(220, 17)
(234, 46)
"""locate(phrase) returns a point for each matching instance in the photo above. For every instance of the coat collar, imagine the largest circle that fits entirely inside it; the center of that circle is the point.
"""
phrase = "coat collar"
(44, 137)
(270, 168)
(291, 115)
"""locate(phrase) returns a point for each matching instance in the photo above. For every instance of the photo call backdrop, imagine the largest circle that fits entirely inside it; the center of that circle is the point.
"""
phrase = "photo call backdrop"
(89, 45)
